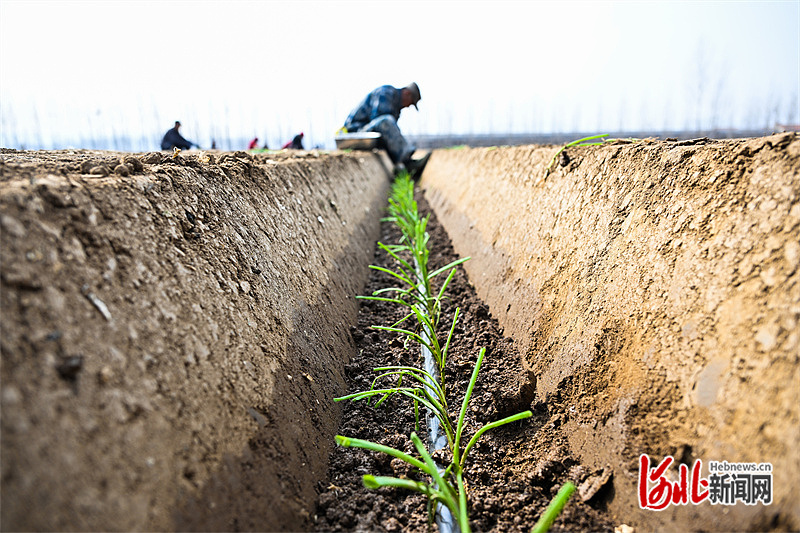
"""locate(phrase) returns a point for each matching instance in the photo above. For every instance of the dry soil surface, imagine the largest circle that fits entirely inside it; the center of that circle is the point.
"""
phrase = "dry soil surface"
(653, 289)
(173, 329)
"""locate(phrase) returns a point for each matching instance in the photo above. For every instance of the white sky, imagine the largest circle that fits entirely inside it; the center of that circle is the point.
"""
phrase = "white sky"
(271, 69)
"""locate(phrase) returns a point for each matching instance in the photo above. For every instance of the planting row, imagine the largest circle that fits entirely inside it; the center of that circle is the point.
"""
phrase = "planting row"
(425, 384)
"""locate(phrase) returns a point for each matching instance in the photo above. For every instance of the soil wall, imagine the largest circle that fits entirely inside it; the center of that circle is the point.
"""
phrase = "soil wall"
(173, 329)
(654, 290)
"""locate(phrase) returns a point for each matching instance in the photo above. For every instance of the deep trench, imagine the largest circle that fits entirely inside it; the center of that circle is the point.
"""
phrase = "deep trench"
(515, 470)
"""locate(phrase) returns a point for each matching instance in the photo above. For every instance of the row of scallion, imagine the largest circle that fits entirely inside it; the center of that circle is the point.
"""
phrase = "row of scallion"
(427, 387)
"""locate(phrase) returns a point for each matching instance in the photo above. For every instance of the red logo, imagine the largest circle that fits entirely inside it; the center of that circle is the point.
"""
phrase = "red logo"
(656, 492)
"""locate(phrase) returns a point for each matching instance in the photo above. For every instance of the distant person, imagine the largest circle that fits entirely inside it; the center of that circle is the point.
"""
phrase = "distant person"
(379, 112)
(173, 139)
(253, 144)
(296, 143)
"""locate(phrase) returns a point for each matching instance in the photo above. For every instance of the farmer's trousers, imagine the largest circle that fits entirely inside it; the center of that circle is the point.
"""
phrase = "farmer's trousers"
(398, 147)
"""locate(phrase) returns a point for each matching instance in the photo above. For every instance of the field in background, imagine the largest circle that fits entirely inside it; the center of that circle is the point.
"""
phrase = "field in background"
(123, 143)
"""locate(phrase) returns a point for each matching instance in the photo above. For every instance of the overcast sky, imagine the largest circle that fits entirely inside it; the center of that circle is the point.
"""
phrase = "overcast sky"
(76, 70)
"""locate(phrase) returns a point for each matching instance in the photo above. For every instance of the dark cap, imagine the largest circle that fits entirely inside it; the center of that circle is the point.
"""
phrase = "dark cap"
(413, 88)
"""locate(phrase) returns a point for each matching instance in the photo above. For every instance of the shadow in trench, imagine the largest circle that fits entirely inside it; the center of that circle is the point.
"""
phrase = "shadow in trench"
(272, 484)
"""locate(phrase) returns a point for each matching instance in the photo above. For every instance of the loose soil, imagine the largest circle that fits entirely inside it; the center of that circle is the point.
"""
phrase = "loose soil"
(513, 472)
(173, 329)
(653, 288)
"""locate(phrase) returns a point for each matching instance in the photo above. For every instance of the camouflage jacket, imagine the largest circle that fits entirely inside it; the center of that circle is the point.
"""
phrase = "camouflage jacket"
(384, 100)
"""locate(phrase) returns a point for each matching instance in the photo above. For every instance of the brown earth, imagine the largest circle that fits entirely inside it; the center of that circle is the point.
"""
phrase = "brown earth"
(653, 289)
(172, 331)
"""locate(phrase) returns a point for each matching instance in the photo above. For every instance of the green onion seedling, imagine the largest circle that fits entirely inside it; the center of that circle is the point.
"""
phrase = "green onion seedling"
(416, 293)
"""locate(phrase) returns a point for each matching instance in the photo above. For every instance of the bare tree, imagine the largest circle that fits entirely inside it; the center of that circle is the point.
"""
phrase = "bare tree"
(667, 123)
(718, 97)
(697, 88)
(771, 111)
(753, 114)
(623, 102)
(792, 111)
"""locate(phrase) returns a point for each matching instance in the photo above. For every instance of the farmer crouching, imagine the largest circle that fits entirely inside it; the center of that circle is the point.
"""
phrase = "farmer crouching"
(379, 112)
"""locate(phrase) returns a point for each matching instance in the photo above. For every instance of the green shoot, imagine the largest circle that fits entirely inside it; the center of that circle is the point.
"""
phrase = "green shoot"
(441, 491)
(422, 387)
(554, 509)
(581, 142)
